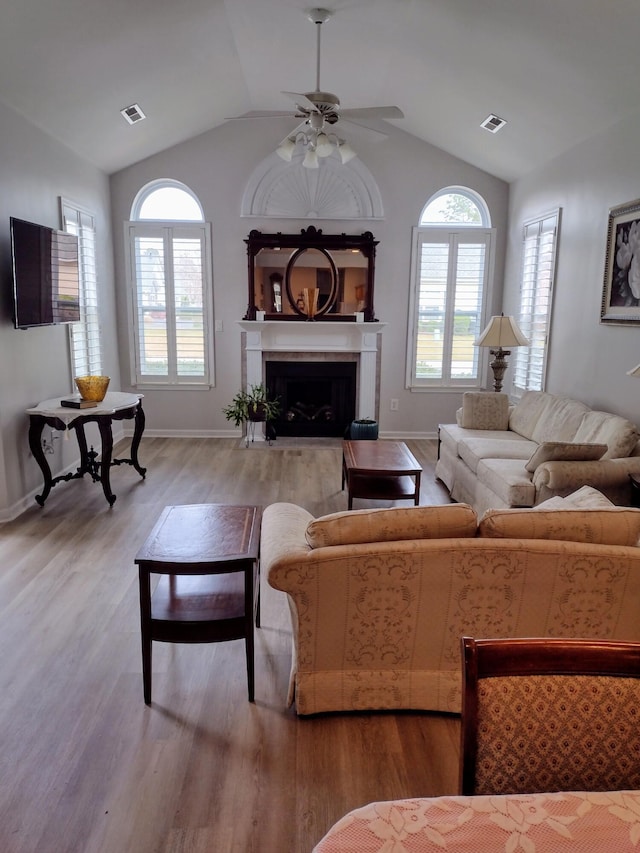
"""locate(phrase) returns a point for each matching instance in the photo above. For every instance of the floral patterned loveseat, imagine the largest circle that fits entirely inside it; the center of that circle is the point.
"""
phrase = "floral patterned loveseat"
(380, 598)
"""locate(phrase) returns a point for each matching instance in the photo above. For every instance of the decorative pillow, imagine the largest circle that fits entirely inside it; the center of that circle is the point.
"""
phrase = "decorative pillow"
(615, 526)
(564, 451)
(485, 410)
(355, 527)
(619, 434)
(585, 498)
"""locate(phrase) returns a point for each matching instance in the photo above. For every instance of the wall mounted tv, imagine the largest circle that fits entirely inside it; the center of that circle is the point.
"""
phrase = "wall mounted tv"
(46, 279)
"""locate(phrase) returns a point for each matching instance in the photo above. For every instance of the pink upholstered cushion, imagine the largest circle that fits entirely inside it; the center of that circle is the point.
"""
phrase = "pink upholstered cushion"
(557, 733)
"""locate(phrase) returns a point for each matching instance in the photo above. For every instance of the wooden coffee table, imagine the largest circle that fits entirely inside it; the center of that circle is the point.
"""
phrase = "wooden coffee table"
(209, 592)
(380, 470)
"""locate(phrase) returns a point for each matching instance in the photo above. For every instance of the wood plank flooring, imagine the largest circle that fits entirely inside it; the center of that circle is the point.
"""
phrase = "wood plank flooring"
(86, 767)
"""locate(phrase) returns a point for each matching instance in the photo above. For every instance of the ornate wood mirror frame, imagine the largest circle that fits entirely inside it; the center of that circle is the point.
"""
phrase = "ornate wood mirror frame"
(311, 275)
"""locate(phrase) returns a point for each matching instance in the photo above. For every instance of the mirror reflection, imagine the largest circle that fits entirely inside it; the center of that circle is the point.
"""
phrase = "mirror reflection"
(311, 275)
(339, 276)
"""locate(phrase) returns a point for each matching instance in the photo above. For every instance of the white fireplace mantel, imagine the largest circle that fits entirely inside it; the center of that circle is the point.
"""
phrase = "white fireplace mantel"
(317, 337)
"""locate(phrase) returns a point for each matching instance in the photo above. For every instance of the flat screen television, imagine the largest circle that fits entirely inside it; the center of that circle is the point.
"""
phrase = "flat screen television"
(46, 278)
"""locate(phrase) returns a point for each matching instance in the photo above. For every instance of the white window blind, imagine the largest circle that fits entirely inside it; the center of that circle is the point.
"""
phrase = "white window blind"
(86, 348)
(171, 289)
(451, 270)
(538, 272)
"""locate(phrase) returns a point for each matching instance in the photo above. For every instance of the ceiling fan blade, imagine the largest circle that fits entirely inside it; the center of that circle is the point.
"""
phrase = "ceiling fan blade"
(372, 112)
(375, 135)
(301, 100)
(262, 114)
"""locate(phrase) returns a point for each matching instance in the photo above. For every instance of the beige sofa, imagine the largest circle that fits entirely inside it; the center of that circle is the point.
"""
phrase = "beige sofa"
(380, 598)
(499, 456)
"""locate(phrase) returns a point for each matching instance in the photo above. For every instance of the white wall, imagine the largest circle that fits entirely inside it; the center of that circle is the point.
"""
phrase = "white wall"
(217, 166)
(34, 364)
(587, 360)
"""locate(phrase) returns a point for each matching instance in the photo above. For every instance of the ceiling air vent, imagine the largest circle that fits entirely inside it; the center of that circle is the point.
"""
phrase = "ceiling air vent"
(493, 123)
(132, 114)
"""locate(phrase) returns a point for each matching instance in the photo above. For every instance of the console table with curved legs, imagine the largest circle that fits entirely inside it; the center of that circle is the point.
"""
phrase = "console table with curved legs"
(116, 406)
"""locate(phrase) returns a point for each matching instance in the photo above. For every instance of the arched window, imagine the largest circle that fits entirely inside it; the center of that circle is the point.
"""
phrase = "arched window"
(167, 200)
(456, 205)
(169, 269)
(451, 257)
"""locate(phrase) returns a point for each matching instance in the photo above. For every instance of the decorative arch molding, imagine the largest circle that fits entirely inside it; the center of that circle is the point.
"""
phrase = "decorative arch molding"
(333, 191)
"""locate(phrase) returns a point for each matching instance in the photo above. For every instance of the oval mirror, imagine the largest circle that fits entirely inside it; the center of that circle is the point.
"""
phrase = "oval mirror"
(311, 281)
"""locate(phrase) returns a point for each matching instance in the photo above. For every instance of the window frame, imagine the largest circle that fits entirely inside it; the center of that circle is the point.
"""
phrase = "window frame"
(528, 295)
(452, 233)
(170, 229)
(85, 338)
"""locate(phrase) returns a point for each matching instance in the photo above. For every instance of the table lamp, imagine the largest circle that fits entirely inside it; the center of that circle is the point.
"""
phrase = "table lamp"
(635, 371)
(501, 332)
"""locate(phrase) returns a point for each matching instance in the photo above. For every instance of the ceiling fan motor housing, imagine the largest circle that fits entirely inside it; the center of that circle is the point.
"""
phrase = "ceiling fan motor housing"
(324, 102)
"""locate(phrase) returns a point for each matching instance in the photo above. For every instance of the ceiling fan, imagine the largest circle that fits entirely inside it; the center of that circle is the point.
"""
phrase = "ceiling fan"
(320, 111)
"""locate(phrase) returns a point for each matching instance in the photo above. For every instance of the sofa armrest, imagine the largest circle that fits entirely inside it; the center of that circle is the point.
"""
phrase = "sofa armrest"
(283, 535)
(602, 474)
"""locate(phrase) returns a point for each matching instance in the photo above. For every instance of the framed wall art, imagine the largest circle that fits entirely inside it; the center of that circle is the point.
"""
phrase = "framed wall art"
(621, 291)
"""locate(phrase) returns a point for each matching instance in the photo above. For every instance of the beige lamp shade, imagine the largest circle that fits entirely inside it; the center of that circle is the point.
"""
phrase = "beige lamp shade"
(634, 371)
(501, 333)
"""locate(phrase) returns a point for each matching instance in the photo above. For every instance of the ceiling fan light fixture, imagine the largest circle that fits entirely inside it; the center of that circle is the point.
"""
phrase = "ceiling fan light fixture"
(346, 152)
(286, 148)
(324, 148)
(310, 159)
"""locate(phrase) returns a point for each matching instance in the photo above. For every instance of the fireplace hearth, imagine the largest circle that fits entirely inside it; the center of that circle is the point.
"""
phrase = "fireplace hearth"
(317, 398)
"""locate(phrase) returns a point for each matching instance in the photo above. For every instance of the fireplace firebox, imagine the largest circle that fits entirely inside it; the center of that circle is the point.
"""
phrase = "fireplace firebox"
(317, 398)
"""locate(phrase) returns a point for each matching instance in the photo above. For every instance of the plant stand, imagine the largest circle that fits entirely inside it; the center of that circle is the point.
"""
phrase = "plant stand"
(251, 431)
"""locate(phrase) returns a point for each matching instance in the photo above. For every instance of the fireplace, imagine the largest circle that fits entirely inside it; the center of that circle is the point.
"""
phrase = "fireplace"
(320, 342)
(317, 398)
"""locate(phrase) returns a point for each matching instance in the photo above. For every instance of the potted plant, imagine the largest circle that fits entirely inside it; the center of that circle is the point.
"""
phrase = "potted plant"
(364, 429)
(252, 405)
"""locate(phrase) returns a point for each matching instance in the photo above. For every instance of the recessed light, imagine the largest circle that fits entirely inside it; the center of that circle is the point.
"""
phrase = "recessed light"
(493, 123)
(132, 114)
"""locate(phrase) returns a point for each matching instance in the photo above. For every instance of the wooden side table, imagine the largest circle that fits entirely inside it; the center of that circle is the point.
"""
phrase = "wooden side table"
(380, 470)
(209, 592)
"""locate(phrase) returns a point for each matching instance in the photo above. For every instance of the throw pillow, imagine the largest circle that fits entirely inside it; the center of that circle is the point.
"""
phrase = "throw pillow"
(615, 526)
(619, 434)
(485, 410)
(564, 451)
(586, 497)
(355, 527)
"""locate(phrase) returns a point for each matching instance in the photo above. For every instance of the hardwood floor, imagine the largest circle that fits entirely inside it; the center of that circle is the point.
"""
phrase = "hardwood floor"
(85, 766)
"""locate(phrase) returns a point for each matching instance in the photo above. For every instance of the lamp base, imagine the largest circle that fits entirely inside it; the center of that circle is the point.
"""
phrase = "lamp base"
(499, 365)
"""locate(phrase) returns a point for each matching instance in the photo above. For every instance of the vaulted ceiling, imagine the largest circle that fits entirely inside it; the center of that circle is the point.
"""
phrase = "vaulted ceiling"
(558, 71)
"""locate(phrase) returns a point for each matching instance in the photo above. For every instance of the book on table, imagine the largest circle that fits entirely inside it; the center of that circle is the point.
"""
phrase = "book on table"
(78, 403)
